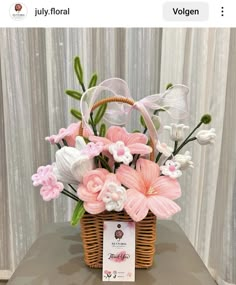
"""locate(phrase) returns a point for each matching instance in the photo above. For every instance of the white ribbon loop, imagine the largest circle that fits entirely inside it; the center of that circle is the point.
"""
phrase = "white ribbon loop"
(173, 101)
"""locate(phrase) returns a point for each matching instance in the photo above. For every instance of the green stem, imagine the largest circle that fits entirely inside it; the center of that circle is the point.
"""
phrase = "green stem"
(117, 165)
(58, 145)
(186, 140)
(93, 125)
(83, 87)
(65, 142)
(158, 156)
(104, 163)
(189, 140)
(72, 188)
(70, 195)
(176, 145)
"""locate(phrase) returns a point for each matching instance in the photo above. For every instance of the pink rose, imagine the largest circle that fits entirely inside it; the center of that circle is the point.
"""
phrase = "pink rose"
(89, 190)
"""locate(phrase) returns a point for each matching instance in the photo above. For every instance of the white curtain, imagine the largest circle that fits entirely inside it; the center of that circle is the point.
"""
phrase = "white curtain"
(36, 68)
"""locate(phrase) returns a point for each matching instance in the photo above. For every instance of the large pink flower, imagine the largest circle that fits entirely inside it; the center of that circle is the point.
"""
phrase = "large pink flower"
(122, 144)
(89, 190)
(147, 190)
(69, 134)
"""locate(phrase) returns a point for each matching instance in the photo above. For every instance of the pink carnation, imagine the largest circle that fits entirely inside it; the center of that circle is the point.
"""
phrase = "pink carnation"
(69, 134)
(41, 176)
(51, 188)
(92, 149)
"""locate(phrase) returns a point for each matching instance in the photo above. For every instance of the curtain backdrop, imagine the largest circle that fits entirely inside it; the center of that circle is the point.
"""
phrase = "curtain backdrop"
(36, 68)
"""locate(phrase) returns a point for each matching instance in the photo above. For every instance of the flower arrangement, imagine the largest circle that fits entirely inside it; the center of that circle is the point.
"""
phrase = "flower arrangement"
(108, 168)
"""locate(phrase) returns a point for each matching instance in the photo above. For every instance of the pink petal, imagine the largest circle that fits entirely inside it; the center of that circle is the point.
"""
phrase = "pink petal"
(109, 178)
(167, 187)
(94, 208)
(100, 172)
(95, 139)
(136, 138)
(139, 148)
(115, 134)
(162, 207)
(85, 195)
(130, 178)
(148, 170)
(136, 205)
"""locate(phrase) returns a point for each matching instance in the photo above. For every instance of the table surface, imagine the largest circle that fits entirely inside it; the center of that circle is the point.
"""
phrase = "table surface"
(56, 258)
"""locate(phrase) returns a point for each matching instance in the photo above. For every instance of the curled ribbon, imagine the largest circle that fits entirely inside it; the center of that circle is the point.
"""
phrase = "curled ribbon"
(173, 101)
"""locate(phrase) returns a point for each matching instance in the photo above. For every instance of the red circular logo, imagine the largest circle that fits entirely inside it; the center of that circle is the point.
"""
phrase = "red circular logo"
(18, 7)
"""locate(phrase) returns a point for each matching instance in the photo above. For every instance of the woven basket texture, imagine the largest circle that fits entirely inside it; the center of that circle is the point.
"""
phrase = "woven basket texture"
(92, 237)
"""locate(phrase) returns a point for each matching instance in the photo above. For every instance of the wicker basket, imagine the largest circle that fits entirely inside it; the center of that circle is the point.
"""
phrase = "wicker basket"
(92, 225)
(92, 237)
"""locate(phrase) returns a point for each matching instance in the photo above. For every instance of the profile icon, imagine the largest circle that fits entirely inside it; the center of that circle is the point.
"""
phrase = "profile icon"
(18, 7)
(18, 11)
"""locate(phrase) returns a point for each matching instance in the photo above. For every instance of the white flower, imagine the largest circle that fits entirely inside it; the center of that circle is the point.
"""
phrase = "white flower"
(164, 149)
(114, 197)
(72, 164)
(206, 136)
(171, 169)
(120, 152)
(176, 131)
(184, 160)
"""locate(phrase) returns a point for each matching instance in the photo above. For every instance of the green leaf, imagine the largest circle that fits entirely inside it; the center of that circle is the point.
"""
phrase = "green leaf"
(142, 122)
(78, 70)
(78, 213)
(74, 94)
(102, 131)
(93, 81)
(76, 114)
(101, 111)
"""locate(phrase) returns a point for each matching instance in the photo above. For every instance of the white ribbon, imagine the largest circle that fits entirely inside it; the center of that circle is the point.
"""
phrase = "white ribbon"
(173, 101)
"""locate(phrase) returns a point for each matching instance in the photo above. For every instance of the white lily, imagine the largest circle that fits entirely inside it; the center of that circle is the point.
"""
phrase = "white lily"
(176, 131)
(185, 160)
(206, 136)
(71, 164)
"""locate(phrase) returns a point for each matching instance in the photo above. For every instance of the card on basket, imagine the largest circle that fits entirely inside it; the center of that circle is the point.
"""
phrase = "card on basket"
(118, 251)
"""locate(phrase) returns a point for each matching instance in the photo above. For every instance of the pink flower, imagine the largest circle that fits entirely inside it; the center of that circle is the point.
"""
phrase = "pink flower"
(89, 190)
(92, 149)
(40, 177)
(122, 144)
(147, 190)
(51, 188)
(101, 191)
(69, 134)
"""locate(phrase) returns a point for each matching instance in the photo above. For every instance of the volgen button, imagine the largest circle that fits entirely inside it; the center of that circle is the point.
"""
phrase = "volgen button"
(185, 11)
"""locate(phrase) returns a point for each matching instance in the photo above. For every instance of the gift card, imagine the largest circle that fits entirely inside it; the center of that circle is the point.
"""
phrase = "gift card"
(118, 251)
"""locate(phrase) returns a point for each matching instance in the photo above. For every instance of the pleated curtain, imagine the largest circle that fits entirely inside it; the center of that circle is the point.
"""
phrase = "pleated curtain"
(36, 67)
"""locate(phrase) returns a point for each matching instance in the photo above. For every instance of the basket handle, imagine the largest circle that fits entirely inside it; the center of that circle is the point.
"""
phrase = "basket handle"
(120, 100)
